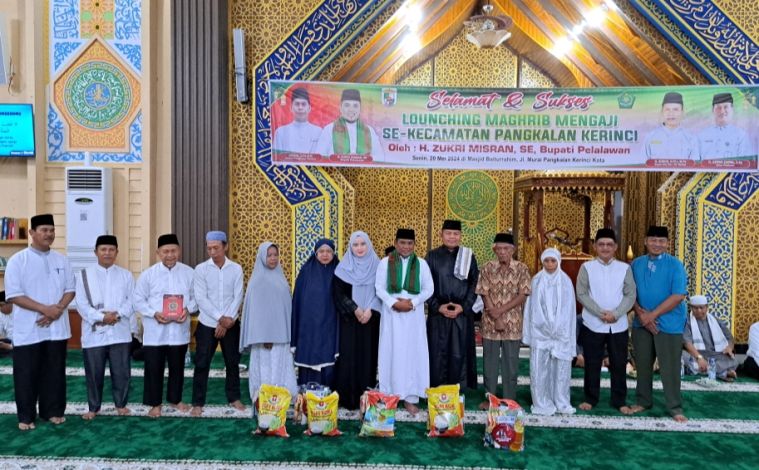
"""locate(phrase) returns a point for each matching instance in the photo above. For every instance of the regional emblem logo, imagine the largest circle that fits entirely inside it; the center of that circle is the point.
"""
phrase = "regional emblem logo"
(626, 100)
(389, 97)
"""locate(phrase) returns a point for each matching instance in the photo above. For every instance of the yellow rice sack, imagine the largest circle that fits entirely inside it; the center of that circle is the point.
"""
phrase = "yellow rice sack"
(273, 403)
(446, 411)
(322, 414)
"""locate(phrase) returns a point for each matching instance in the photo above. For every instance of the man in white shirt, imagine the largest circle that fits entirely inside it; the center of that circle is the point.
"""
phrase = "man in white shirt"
(671, 141)
(349, 135)
(160, 291)
(606, 290)
(104, 301)
(403, 283)
(40, 284)
(300, 135)
(218, 291)
(723, 139)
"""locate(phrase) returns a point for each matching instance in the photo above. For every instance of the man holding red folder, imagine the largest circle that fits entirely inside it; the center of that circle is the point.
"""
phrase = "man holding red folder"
(164, 297)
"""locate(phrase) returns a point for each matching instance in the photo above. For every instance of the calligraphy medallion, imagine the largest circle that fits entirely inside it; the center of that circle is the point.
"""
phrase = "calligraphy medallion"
(472, 195)
(98, 95)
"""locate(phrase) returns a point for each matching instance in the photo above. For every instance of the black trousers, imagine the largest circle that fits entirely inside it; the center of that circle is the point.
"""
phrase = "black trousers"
(750, 368)
(205, 347)
(118, 358)
(39, 374)
(156, 358)
(594, 345)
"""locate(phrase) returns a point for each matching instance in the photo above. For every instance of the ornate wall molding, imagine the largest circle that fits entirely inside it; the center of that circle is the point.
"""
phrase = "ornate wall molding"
(689, 218)
(324, 33)
(734, 190)
(707, 36)
(85, 39)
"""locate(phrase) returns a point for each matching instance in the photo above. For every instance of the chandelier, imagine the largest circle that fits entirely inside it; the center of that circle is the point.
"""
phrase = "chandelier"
(488, 30)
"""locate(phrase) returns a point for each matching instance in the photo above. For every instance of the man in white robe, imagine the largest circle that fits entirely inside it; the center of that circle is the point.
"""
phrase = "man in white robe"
(300, 135)
(403, 284)
(40, 284)
(165, 336)
(349, 134)
(104, 301)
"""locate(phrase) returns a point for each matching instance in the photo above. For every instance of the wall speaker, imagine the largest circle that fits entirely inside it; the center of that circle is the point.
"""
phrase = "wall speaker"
(241, 82)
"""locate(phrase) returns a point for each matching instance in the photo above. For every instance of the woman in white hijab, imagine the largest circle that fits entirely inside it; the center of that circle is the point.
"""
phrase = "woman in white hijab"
(549, 329)
(266, 324)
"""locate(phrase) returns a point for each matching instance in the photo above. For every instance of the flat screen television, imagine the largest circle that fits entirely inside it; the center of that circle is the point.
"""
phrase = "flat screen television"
(16, 130)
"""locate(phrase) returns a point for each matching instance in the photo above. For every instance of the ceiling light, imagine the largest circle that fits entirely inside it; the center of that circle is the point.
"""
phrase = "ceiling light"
(410, 44)
(488, 30)
(413, 17)
(596, 16)
(562, 47)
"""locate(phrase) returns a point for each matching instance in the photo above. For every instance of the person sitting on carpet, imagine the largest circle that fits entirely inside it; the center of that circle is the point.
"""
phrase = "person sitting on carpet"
(750, 366)
(707, 337)
(579, 360)
(6, 326)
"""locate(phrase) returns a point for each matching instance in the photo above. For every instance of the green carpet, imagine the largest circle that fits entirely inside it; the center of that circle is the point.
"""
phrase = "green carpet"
(74, 359)
(230, 440)
(698, 404)
(706, 404)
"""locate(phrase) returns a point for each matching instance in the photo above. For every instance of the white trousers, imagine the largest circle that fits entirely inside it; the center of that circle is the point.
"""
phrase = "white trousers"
(549, 383)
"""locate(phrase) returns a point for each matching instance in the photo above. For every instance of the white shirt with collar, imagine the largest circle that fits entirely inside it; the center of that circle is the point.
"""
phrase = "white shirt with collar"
(728, 141)
(667, 143)
(152, 285)
(218, 291)
(43, 276)
(111, 291)
(753, 342)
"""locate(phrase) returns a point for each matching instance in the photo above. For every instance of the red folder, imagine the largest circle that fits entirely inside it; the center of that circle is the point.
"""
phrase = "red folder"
(173, 305)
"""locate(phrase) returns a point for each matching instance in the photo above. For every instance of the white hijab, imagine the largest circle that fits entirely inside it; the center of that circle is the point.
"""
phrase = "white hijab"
(549, 285)
(550, 313)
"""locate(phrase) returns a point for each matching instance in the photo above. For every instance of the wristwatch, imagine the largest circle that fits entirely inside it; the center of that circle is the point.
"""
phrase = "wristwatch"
(699, 357)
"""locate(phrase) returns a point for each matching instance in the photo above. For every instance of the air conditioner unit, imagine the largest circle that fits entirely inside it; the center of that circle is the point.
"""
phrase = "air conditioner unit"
(89, 212)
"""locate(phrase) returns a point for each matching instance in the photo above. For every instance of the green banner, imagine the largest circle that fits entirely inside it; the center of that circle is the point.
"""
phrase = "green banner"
(686, 128)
